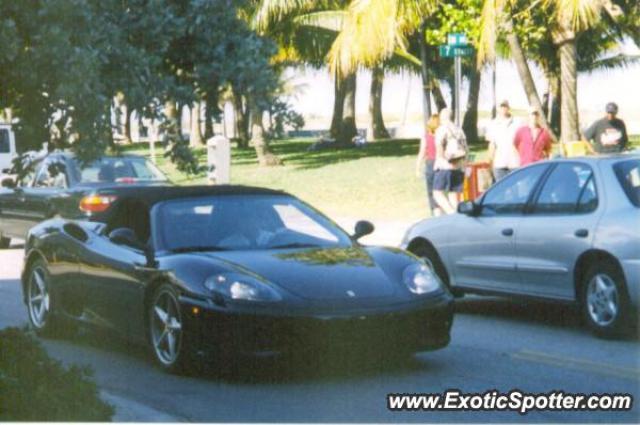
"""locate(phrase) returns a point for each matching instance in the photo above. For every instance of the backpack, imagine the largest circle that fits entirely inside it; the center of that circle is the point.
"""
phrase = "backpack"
(455, 144)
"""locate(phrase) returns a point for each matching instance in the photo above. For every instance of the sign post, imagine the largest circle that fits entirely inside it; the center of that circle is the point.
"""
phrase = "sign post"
(456, 47)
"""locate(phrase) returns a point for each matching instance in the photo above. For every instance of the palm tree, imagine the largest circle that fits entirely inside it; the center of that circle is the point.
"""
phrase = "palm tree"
(566, 19)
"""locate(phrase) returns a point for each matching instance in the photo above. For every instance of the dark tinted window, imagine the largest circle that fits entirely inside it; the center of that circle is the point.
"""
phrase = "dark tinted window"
(117, 170)
(628, 174)
(244, 223)
(510, 195)
(569, 189)
(5, 146)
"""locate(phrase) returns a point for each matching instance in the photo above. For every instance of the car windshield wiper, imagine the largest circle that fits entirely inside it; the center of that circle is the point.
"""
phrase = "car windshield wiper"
(295, 245)
(203, 248)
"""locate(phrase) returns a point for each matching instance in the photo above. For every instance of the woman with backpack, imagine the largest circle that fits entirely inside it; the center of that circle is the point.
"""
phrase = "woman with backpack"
(451, 152)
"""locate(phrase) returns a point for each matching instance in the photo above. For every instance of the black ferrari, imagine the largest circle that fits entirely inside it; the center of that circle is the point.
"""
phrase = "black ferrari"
(196, 270)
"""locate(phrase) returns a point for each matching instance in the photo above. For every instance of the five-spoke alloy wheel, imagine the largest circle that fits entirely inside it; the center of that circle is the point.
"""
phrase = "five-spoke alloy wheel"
(165, 328)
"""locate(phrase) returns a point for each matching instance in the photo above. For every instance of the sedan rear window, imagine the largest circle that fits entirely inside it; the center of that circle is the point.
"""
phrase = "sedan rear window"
(118, 170)
(628, 174)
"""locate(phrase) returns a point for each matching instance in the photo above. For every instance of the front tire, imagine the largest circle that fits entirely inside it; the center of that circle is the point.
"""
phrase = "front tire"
(432, 258)
(40, 303)
(166, 331)
(4, 242)
(605, 301)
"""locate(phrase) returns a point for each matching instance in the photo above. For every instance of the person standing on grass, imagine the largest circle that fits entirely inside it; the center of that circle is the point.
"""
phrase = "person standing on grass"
(451, 152)
(533, 141)
(503, 155)
(608, 134)
(427, 158)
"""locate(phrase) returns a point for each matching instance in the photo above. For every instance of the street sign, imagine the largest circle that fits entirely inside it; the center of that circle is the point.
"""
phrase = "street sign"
(447, 51)
(457, 39)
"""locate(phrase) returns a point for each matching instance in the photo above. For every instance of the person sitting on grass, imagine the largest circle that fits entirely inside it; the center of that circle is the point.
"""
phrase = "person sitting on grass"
(451, 152)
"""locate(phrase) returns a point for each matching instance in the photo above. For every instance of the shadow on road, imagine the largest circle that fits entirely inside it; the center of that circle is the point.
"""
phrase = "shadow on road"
(547, 313)
(559, 315)
(302, 367)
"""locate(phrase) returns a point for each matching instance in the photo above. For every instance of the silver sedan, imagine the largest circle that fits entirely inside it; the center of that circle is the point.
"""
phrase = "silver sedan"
(565, 230)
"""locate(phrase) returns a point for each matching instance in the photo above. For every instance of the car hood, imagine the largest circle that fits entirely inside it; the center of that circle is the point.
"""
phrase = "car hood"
(315, 273)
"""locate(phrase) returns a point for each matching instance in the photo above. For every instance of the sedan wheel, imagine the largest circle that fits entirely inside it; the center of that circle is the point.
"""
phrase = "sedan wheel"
(602, 300)
(605, 301)
(165, 326)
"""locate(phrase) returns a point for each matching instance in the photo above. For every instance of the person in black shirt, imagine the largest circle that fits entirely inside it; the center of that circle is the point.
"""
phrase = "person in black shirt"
(608, 134)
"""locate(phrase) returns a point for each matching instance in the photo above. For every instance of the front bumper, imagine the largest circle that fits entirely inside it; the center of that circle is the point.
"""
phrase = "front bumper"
(413, 328)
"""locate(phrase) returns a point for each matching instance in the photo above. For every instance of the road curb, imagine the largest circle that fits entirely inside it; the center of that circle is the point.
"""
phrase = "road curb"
(128, 410)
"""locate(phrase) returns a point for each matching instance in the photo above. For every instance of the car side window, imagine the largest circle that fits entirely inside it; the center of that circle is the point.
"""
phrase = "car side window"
(569, 189)
(51, 174)
(510, 195)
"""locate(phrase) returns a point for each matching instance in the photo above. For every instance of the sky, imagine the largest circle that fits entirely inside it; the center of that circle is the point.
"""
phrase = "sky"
(402, 98)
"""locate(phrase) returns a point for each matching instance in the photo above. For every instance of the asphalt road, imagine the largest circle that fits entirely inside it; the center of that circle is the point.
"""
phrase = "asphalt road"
(496, 344)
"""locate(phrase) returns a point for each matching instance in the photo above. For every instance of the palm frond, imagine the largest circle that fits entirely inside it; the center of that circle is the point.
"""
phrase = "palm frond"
(270, 11)
(373, 30)
(332, 20)
(581, 14)
(492, 11)
(618, 61)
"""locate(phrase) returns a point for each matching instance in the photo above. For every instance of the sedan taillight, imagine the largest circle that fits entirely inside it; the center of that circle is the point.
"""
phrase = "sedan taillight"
(96, 203)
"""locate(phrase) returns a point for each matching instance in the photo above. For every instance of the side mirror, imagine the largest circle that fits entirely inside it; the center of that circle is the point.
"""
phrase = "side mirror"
(8, 182)
(362, 228)
(468, 208)
(127, 237)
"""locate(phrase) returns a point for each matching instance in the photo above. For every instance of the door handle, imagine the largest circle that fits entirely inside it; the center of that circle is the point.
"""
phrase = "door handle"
(581, 233)
(507, 232)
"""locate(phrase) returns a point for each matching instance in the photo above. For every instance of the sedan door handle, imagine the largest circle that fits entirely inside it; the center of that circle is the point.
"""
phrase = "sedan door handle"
(507, 232)
(581, 233)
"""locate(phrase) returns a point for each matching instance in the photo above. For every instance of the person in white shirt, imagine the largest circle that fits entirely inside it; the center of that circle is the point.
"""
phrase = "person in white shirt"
(503, 154)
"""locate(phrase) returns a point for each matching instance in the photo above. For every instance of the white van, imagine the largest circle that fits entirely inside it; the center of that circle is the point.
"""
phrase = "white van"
(7, 147)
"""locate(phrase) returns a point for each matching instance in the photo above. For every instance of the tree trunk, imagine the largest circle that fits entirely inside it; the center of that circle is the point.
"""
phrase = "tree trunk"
(569, 124)
(259, 141)
(348, 126)
(525, 73)
(438, 97)
(378, 129)
(338, 106)
(127, 124)
(470, 121)
(195, 135)
(241, 120)
(208, 121)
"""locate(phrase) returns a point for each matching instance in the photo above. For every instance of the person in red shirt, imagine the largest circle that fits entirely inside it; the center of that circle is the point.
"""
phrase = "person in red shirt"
(532, 141)
(426, 158)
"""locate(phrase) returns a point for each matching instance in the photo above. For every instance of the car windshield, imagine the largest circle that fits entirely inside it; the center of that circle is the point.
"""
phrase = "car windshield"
(117, 170)
(243, 222)
(628, 174)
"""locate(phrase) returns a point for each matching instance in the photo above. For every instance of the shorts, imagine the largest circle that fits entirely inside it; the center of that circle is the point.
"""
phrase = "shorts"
(448, 180)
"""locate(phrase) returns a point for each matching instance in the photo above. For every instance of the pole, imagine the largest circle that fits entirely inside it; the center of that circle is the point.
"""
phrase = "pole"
(458, 82)
(494, 108)
(426, 91)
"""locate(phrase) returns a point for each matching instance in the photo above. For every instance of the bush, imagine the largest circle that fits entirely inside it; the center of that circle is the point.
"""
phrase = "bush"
(34, 387)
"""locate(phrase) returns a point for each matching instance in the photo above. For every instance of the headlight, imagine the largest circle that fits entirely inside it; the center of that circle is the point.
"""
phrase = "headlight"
(239, 287)
(420, 279)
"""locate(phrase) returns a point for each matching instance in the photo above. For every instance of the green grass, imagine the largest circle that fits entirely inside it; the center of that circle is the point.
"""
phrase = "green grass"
(375, 182)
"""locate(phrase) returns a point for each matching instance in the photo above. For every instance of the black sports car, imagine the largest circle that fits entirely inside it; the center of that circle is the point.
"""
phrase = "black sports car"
(58, 184)
(230, 270)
